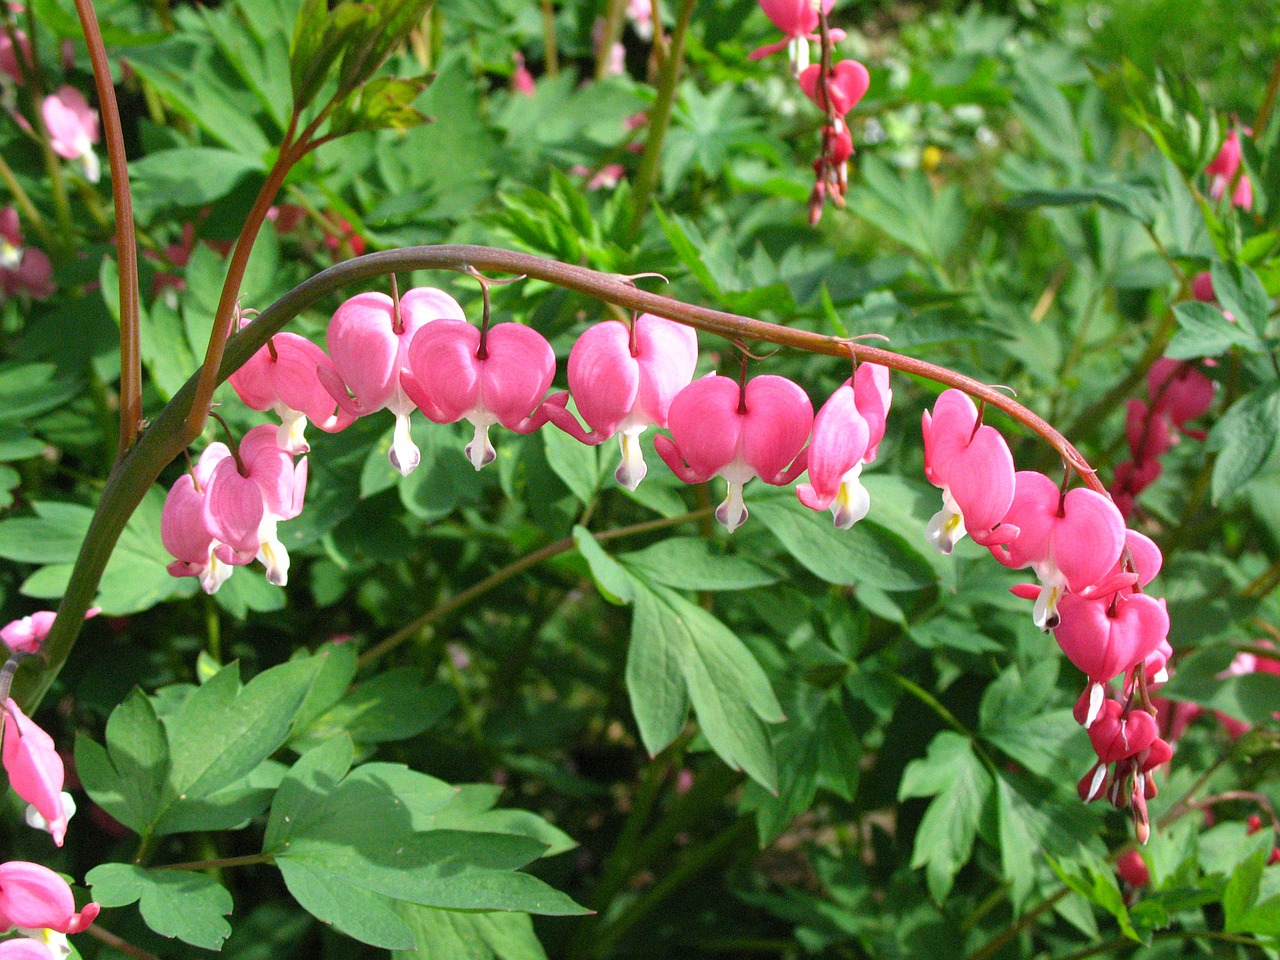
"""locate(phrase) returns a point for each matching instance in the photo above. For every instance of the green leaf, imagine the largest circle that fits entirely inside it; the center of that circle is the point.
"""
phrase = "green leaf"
(30, 389)
(223, 731)
(953, 775)
(691, 563)
(1240, 292)
(190, 176)
(1244, 437)
(384, 103)
(577, 464)
(866, 553)
(1242, 890)
(127, 778)
(729, 691)
(1096, 882)
(174, 903)
(1130, 200)
(1205, 332)
(455, 935)
(53, 535)
(394, 705)
(611, 579)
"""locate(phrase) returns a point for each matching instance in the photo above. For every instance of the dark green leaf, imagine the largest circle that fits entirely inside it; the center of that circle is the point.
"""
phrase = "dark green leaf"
(1243, 439)
(1205, 332)
(175, 903)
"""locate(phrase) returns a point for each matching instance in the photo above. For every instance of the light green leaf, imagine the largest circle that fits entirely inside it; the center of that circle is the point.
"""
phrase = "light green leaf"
(1244, 437)
(1203, 331)
(690, 563)
(577, 464)
(190, 176)
(455, 935)
(174, 903)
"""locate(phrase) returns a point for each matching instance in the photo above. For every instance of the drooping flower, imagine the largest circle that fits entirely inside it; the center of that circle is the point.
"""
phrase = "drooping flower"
(798, 19)
(1071, 541)
(26, 635)
(33, 897)
(847, 83)
(35, 769)
(23, 270)
(1224, 168)
(455, 374)
(973, 466)
(369, 343)
(10, 65)
(1106, 637)
(522, 81)
(836, 452)
(283, 485)
(623, 381)
(73, 129)
(182, 527)
(1179, 390)
(719, 429)
(282, 377)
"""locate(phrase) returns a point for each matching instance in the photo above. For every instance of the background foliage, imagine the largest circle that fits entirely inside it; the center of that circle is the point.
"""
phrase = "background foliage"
(469, 672)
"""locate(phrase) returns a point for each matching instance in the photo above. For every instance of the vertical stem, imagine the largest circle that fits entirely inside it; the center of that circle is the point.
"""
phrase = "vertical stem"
(291, 151)
(30, 215)
(550, 49)
(610, 35)
(1268, 101)
(660, 115)
(126, 245)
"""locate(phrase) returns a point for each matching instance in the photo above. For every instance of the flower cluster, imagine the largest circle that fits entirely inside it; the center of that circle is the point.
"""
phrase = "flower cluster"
(1091, 574)
(1225, 174)
(419, 352)
(835, 88)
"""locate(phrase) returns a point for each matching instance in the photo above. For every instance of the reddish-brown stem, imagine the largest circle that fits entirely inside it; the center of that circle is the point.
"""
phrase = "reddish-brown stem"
(126, 244)
(1268, 101)
(119, 944)
(290, 152)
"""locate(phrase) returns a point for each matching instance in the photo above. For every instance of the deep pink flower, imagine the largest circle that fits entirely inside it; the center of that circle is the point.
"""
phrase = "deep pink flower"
(836, 451)
(1118, 736)
(1104, 638)
(1072, 542)
(35, 770)
(847, 82)
(1202, 287)
(522, 81)
(1179, 390)
(23, 270)
(370, 349)
(27, 634)
(73, 129)
(874, 397)
(623, 381)
(283, 487)
(1149, 432)
(287, 383)
(718, 429)
(1223, 169)
(450, 378)
(973, 466)
(35, 898)
(1132, 869)
(9, 63)
(798, 19)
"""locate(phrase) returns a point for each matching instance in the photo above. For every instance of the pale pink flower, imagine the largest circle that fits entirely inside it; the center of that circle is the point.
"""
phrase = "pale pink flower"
(27, 634)
(33, 897)
(623, 380)
(719, 429)
(35, 770)
(23, 270)
(73, 129)
(836, 452)
(522, 81)
(456, 374)
(182, 527)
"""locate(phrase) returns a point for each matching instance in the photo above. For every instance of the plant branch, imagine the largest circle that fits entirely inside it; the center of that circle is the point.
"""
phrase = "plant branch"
(126, 244)
(119, 944)
(660, 114)
(169, 433)
(1268, 101)
(199, 865)
(550, 48)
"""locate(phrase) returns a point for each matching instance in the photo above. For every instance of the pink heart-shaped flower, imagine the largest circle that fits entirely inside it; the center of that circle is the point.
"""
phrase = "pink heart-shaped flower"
(1103, 643)
(847, 83)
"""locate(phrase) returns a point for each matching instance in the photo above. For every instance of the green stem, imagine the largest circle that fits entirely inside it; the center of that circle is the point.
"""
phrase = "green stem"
(1119, 942)
(126, 245)
(30, 214)
(610, 35)
(220, 864)
(550, 48)
(1268, 101)
(933, 703)
(660, 115)
(169, 433)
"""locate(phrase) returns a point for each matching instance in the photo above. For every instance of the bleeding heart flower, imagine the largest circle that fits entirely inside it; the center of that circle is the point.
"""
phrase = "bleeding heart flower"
(1105, 638)
(719, 429)
(623, 381)
(182, 527)
(23, 270)
(35, 898)
(1117, 736)
(847, 83)
(973, 466)
(283, 486)
(73, 129)
(35, 769)
(282, 377)
(27, 634)
(452, 377)
(836, 451)
(798, 19)
(369, 343)
(1179, 390)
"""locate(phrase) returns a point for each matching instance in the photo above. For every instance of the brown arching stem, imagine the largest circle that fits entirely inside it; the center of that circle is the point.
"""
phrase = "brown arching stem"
(126, 243)
(169, 433)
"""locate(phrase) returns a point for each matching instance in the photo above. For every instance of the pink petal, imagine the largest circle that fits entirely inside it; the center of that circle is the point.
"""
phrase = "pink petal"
(667, 353)
(775, 426)
(233, 509)
(847, 82)
(705, 425)
(946, 432)
(35, 770)
(365, 350)
(182, 527)
(874, 396)
(981, 480)
(33, 896)
(442, 358)
(838, 444)
(515, 376)
(1103, 646)
(1088, 538)
(603, 376)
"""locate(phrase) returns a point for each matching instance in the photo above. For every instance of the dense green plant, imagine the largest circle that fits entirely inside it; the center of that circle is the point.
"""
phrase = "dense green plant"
(488, 696)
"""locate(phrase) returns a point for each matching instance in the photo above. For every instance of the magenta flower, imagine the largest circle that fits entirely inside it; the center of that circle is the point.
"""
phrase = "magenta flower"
(973, 466)
(874, 397)
(456, 373)
(1106, 637)
(847, 83)
(719, 429)
(24, 270)
(623, 381)
(798, 19)
(369, 343)
(73, 129)
(27, 634)
(282, 377)
(283, 486)
(836, 451)
(1179, 390)
(33, 897)
(35, 771)
(1117, 736)
(1224, 168)
(182, 527)
(1072, 542)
